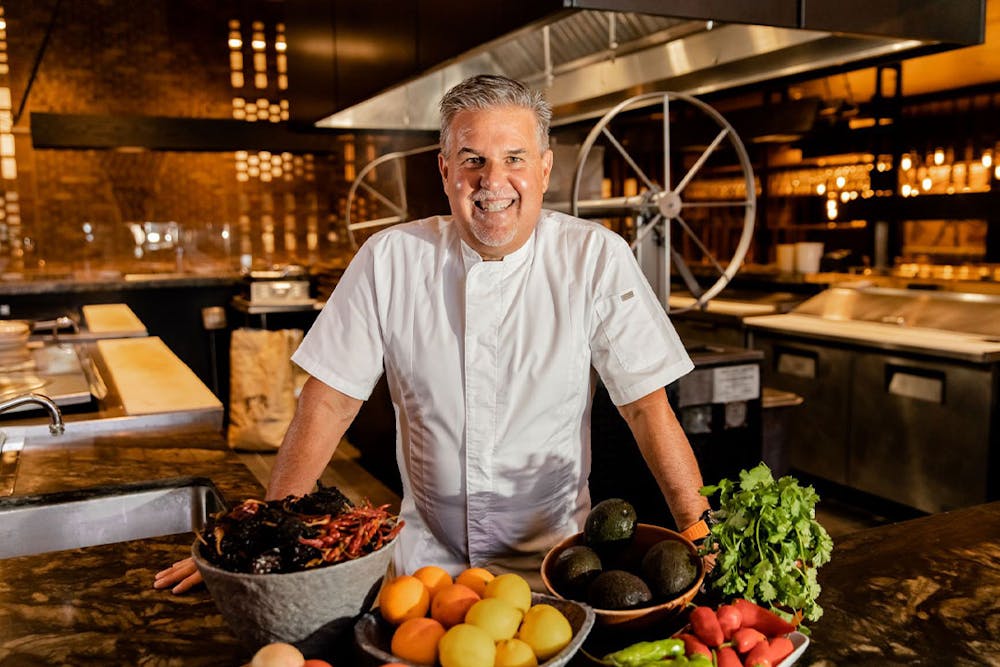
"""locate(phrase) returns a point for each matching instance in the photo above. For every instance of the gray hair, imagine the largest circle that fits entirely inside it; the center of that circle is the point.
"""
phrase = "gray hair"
(487, 91)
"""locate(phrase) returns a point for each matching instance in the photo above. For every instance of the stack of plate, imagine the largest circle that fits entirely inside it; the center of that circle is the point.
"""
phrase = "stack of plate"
(14, 354)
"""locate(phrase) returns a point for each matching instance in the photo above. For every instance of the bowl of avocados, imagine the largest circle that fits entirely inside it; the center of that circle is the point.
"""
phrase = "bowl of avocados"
(632, 574)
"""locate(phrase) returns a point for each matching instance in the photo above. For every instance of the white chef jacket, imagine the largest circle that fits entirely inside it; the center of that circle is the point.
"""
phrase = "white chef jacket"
(488, 365)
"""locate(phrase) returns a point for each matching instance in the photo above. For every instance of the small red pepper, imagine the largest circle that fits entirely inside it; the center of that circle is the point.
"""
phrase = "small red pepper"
(759, 656)
(745, 639)
(694, 645)
(765, 620)
(705, 625)
(730, 620)
(781, 648)
(726, 657)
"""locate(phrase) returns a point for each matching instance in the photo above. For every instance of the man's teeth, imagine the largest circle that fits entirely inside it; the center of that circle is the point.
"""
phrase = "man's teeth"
(494, 204)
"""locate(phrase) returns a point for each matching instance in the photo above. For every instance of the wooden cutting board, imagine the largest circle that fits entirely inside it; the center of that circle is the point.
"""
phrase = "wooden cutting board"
(112, 318)
(152, 379)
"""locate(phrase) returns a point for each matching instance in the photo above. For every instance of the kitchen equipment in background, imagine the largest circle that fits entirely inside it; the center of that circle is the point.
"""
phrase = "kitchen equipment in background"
(282, 286)
(785, 255)
(807, 257)
(54, 370)
(719, 406)
(901, 391)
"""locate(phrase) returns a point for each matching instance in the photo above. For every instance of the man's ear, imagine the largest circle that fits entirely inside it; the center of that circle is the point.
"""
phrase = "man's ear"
(443, 169)
(546, 169)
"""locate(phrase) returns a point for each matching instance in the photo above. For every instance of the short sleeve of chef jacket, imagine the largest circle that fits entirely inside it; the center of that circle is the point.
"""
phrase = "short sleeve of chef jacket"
(343, 348)
(634, 347)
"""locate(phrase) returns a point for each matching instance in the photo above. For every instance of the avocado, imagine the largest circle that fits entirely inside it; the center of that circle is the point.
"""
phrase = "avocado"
(669, 568)
(618, 589)
(610, 525)
(574, 569)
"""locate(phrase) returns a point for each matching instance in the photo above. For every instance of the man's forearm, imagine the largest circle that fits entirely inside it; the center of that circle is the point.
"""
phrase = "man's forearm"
(321, 419)
(668, 454)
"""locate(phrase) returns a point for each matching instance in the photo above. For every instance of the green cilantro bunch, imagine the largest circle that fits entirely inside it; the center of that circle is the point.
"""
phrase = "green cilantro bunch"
(768, 541)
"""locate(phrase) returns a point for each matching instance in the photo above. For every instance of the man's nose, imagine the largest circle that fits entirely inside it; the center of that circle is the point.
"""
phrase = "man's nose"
(491, 176)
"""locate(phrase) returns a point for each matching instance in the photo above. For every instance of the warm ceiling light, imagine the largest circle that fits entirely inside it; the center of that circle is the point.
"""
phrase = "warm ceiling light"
(280, 45)
(939, 156)
(821, 188)
(258, 44)
(987, 158)
(926, 183)
(906, 162)
(905, 190)
(841, 181)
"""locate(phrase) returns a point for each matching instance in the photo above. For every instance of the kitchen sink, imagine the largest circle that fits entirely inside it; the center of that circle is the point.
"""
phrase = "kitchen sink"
(105, 514)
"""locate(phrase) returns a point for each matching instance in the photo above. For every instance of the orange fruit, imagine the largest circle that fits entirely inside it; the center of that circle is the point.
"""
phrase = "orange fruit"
(416, 640)
(451, 604)
(402, 598)
(475, 578)
(434, 578)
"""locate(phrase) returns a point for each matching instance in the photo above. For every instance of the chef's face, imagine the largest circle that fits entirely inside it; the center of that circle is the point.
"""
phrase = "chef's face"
(495, 174)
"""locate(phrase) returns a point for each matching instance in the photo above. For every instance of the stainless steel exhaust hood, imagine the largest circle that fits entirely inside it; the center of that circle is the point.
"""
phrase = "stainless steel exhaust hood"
(588, 55)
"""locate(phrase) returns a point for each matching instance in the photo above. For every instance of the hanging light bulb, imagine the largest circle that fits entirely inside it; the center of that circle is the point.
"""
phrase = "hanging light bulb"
(939, 156)
(906, 162)
(987, 158)
(905, 190)
(926, 183)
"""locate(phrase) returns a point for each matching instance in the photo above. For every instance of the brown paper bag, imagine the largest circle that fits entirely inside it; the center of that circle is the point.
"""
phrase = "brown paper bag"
(264, 386)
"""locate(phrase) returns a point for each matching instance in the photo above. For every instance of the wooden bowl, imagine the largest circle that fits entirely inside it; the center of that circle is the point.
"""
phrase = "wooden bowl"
(646, 535)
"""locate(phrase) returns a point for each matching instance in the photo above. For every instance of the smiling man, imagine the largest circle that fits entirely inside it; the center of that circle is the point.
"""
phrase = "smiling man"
(492, 325)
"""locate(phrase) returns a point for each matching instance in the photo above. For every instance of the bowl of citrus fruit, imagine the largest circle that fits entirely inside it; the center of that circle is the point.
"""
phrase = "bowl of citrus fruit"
(475, 619)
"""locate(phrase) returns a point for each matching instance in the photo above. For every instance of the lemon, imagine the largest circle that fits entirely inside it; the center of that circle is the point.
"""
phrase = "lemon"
(465, 645)
(545, 630)
(512, 588)
(514, 653)
(496, 616)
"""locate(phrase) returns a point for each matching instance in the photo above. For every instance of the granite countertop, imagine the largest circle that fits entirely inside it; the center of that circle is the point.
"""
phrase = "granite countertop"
(920, 592)
(96, 606)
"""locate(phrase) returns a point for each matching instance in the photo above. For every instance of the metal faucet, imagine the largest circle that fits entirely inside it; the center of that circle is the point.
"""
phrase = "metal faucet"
(56, 427)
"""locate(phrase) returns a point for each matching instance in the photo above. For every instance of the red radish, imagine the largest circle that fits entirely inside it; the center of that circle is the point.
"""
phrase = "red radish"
(730, 620)
(765, 620)
(726, 657)
(693, 645)
(705, 625)
(745, 639)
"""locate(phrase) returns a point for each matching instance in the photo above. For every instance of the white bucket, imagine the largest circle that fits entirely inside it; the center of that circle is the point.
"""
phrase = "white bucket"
(807, 256)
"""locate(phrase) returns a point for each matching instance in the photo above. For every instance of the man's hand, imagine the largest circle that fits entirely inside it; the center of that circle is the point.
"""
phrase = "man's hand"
(183, 571)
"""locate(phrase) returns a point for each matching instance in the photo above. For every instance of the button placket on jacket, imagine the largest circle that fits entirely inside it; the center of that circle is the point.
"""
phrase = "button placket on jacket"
(483, 312)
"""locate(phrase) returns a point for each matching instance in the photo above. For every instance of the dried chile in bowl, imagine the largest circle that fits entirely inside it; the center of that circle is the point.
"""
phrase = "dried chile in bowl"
(296, 533)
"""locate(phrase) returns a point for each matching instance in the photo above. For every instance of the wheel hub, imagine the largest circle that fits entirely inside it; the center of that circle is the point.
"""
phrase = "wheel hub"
(669, 204)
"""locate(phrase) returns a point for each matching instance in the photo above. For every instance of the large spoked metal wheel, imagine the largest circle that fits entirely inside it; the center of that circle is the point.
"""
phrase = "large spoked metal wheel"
(671, 217)
(389, 192)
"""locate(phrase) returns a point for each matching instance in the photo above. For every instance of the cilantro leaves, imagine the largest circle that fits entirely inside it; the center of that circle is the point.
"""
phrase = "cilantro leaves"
(769, 541)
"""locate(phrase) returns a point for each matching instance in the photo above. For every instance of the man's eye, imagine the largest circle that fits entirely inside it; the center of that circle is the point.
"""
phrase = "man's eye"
(473, 161)
(514, 159)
